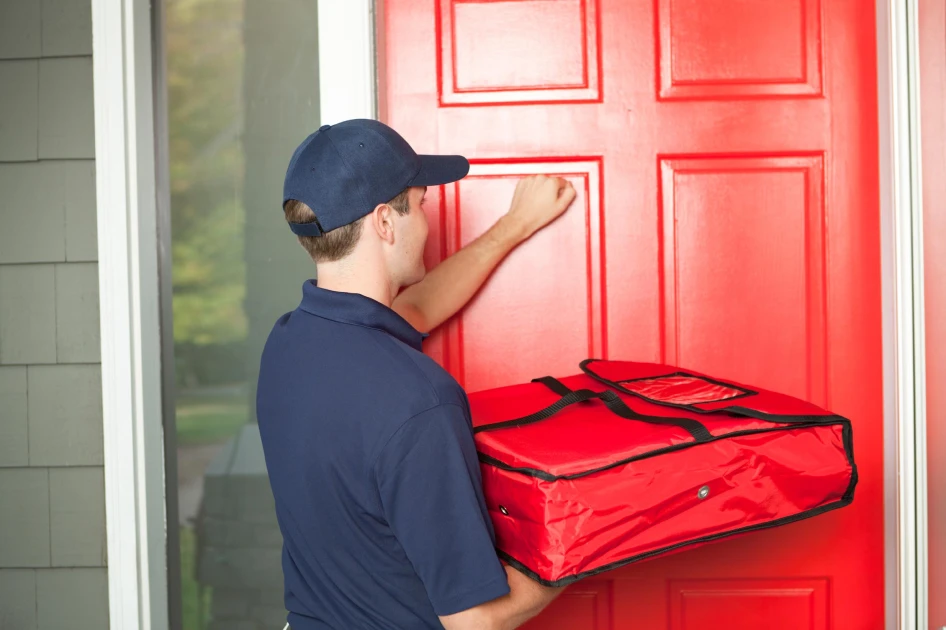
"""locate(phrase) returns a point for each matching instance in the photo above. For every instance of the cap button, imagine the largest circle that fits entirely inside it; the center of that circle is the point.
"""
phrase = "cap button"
(324, 127)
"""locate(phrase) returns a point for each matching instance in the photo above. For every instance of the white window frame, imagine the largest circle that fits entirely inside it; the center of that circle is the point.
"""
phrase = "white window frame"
(348, 86)
(129, 287)
(129, 320)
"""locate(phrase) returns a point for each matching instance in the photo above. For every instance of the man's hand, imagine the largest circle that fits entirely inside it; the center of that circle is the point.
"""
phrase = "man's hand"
(538, 201)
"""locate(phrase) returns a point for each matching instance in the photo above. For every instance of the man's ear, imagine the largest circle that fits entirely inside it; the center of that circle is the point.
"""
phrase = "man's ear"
(381, 220)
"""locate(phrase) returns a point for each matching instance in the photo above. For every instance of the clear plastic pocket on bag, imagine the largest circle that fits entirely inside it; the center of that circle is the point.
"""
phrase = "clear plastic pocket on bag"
(684, 389)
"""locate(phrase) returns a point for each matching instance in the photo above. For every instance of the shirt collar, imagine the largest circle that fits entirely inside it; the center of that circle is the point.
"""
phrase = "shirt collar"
(360, 310)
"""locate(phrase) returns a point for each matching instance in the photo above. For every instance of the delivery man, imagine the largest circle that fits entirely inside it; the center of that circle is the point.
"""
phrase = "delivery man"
(368, 442)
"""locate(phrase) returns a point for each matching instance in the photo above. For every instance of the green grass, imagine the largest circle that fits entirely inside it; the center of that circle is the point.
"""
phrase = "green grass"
(207, 418)
(203, 418)
(195, 600)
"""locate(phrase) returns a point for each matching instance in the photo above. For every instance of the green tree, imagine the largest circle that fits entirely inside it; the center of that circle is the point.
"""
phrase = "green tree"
(205, 56)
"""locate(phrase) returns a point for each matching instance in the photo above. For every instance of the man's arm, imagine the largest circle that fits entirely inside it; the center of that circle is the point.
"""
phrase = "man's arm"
(525, 600)
(538, 200)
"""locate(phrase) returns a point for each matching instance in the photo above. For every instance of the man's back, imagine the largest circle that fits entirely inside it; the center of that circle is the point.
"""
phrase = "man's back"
(371, 459)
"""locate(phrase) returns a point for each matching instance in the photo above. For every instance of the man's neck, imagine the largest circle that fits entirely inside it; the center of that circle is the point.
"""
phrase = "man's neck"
(345, 277)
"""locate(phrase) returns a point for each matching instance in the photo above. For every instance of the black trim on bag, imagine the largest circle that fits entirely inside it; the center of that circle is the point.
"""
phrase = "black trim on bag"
(846, 435)
(571, 579)
(732, 410)
(743, 390)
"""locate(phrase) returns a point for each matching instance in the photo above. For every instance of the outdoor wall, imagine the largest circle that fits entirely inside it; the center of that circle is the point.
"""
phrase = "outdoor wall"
(52, 520)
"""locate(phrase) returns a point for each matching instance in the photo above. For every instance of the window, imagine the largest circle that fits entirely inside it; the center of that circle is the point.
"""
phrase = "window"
(240, 79)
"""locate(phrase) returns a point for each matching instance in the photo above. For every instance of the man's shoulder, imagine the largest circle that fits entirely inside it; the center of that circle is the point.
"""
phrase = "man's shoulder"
(364, 365)
(418, 371)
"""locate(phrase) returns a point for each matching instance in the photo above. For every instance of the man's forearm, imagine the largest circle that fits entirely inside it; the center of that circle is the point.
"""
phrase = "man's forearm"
(525, 600)
(451, 284)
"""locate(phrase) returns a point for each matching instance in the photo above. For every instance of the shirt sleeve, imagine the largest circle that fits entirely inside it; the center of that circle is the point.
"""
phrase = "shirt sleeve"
(431, 492)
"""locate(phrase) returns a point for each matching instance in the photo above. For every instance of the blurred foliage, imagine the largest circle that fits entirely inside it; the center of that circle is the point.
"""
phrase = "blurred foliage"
(205, 57)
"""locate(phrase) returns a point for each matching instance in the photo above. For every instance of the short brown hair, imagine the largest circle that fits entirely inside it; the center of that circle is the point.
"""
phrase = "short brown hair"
(338, 243)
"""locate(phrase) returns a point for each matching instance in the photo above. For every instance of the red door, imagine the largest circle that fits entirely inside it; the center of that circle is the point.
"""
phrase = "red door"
(727, 221)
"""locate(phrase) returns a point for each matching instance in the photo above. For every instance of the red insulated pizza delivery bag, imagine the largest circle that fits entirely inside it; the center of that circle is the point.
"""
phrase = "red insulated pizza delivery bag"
(627, 461)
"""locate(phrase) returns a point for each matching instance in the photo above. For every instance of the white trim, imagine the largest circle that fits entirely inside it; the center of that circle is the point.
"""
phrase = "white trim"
(347, 85)
(905, 344)
(128, 294)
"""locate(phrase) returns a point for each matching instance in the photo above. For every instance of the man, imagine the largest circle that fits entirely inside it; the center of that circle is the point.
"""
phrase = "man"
(368, 441)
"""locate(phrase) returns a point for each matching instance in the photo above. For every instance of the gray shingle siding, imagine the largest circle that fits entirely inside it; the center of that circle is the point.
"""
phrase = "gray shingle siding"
(52, 525)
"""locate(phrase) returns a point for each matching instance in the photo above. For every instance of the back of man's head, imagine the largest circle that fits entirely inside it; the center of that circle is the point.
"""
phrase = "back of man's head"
(343, 172)
(339, 243)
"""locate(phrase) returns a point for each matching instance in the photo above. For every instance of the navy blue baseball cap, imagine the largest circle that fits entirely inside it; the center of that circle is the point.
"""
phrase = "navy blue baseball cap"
(342, 172)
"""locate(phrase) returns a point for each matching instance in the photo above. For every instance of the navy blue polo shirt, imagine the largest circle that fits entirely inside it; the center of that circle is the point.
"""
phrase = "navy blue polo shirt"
(370, 453)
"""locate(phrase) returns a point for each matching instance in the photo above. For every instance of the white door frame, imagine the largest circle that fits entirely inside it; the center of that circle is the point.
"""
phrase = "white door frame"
(905, 488)
(135, 492)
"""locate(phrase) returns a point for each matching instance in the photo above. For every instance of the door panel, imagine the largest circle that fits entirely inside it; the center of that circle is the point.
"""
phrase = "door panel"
(749, 229)
(482, 62)
(739, 48)
(793, 604)
(725, 154)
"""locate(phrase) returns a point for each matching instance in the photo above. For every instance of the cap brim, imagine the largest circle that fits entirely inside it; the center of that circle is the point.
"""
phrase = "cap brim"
(436, 170)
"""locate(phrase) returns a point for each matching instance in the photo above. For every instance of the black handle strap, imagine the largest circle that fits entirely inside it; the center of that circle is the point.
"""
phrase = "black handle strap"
(617, 406)
(554, 384)
(569, 397)
(611, 400)
(694, 427)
